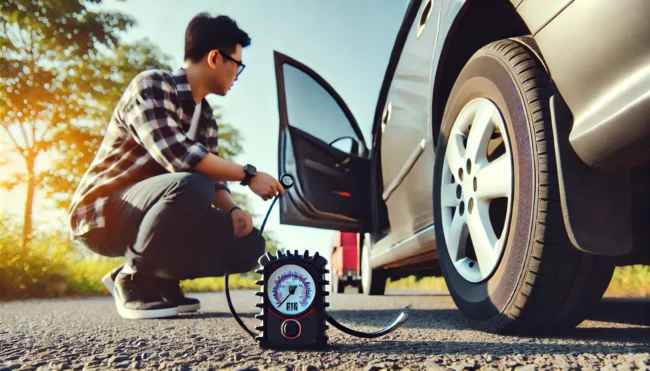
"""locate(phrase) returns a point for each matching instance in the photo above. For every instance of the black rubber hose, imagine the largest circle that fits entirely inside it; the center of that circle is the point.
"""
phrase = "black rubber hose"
(399, 321)
(225, 279)
(232, 309)
(287, 182)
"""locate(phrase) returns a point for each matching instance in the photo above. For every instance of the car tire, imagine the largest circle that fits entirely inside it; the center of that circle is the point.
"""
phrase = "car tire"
(535, 281)
(336, 284)
(373, 281)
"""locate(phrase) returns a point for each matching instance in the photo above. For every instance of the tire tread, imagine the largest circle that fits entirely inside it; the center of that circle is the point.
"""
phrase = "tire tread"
(542, 302)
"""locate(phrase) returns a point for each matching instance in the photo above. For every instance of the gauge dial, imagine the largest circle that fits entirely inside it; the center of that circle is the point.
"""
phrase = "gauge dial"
(291, 289)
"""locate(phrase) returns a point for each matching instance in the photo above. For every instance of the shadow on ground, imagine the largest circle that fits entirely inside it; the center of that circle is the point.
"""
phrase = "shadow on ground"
(606, 339)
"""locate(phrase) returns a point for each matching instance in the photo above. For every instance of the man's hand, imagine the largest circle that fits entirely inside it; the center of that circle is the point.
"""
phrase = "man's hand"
(265, 186)
(242, 222)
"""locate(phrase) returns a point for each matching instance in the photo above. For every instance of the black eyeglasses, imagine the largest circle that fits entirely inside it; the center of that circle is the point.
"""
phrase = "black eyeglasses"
(240, 65)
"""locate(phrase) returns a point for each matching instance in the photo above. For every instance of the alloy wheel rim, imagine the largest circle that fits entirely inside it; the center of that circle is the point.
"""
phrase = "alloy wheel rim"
(476, 190)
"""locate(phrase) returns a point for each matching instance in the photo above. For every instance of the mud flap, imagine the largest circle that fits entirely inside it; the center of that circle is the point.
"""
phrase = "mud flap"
(596, 206)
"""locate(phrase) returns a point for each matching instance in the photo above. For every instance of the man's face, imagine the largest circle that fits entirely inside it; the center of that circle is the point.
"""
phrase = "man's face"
(224, 69)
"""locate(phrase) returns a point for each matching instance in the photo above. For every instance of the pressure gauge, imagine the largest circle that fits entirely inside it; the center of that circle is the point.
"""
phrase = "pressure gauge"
(291, 290)
(293, 301)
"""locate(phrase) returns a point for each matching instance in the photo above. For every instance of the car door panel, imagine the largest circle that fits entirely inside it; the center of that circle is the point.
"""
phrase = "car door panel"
(406, 145)
(331, 183)
(324, 172)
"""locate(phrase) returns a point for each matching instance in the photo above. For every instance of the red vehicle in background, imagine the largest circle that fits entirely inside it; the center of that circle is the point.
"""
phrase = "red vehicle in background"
(344, 262)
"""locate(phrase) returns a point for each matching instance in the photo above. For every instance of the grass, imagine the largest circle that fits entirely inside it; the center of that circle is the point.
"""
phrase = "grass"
(52, 266)
(628, 281)
(423, 284)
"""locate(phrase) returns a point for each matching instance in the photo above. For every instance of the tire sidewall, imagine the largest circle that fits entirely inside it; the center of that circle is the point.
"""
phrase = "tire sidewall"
(334, 281)
(487, 76)
(365, 270)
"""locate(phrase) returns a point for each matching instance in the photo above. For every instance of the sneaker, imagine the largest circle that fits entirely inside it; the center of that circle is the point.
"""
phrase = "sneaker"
(109, 279)
(137, 297)
(171, 291)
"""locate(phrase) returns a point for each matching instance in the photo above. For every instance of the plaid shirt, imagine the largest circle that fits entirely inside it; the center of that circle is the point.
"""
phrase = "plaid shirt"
(145, 137)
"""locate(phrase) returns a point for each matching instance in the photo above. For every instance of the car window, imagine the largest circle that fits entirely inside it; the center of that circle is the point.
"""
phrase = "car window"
(313, 110)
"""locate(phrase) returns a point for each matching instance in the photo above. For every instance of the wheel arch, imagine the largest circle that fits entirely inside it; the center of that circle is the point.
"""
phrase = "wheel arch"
(471, 30)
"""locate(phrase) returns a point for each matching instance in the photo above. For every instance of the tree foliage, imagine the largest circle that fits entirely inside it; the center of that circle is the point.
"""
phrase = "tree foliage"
(62, 70)
(49, 57)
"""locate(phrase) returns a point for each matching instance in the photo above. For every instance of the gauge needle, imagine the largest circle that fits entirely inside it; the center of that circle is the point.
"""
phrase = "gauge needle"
(292, 289)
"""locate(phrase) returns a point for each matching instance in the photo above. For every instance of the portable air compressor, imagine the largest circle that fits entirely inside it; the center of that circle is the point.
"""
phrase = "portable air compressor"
(292, 299)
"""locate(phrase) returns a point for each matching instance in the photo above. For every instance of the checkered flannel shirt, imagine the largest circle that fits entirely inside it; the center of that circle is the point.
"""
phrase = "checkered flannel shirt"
(145, 137)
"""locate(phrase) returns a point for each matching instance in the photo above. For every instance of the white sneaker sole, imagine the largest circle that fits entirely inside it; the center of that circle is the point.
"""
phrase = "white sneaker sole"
(108, 282)
(143, 314)
(189, 308)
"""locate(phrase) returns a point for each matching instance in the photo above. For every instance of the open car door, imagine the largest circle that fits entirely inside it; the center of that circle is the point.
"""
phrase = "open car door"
(320, 144)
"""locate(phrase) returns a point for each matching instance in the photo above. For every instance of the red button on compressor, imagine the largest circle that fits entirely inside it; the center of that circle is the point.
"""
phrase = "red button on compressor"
(291, 329)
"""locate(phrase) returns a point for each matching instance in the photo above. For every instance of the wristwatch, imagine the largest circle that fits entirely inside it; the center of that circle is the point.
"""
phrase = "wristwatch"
(250, 172)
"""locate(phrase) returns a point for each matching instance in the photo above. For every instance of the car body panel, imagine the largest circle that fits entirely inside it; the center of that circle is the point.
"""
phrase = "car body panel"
(516, 3)
(403, 128)
(410, 205)
(537, 13)
(602, 70)
(406, 146)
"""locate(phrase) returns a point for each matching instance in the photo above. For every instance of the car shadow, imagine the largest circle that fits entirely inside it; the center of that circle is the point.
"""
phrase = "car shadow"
(604, 339)
(632, 311)
(606, 316)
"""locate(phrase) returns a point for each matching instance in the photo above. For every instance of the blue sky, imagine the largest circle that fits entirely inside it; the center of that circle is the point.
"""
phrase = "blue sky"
(347, 42)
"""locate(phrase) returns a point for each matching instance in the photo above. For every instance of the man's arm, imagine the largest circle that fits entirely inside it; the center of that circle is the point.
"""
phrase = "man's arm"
(242, 220)
(223, 200)
(217, 168)
(153, 121)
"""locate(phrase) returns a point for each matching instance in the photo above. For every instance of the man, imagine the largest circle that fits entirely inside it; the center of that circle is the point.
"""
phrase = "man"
(156, 191)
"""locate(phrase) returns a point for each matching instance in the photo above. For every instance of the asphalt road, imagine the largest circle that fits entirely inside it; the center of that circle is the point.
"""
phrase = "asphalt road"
(89, 334)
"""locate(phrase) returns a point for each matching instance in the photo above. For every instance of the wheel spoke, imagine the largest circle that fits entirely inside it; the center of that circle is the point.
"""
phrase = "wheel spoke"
(494, 180)
(457, 237)
(483, 238)
(455, 153)
(467, 166)
(448, 195)
(479, 135)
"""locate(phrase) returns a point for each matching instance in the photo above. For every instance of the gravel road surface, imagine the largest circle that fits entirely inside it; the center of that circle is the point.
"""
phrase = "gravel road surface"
(89, 334)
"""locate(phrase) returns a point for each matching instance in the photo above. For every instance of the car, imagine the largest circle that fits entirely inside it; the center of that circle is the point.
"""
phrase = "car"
(509, 155)
(344, 262)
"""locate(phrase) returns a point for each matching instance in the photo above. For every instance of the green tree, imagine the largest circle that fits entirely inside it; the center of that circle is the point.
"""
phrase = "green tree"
(47, 76)
(62, 70)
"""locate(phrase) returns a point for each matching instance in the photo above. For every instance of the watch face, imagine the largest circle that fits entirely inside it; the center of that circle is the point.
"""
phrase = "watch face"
(252, 170)
(290, 289)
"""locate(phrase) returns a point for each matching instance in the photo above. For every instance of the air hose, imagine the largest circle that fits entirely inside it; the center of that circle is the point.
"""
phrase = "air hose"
(287, 182)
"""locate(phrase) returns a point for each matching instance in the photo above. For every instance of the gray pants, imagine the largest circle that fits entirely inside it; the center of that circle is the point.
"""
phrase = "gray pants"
(165, 226)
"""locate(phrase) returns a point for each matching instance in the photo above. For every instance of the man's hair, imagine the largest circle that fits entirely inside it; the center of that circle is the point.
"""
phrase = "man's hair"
(205, 33)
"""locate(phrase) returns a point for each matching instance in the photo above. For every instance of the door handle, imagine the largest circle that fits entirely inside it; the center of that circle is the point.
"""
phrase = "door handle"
(343, 164)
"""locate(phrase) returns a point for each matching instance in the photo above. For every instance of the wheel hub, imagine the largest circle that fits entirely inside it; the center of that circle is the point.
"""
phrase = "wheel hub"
(476, 190)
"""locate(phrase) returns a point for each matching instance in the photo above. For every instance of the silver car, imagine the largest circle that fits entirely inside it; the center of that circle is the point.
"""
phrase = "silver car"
(509, 154)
